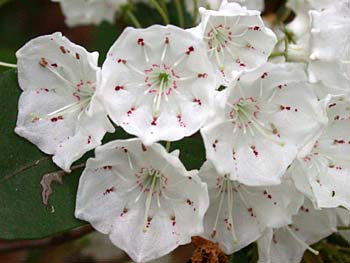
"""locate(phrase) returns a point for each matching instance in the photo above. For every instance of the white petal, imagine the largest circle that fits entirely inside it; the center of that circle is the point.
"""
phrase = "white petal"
(82, 12)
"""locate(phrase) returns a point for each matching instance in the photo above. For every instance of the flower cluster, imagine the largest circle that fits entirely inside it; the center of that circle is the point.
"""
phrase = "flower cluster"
(275, 133)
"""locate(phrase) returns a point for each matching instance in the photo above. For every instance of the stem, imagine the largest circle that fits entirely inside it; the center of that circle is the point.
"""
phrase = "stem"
(133, 19)
(8, 65)
(9, 246)
(195, 12)
(161, 12)
(286, 43)
(343, 228)
(168, 146)
(277, 54)
(163, 5)
(180, 13)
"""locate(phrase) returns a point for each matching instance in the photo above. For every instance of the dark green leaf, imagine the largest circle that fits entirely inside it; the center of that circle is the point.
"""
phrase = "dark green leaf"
(22, 214)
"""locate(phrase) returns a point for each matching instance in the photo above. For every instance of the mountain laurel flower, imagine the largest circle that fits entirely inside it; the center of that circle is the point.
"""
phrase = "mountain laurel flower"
(324, 175)
(288, 244)
(236, 39)
(86, 12)
(158, 83)
(142, 197)
(58, 109)
(330, 47)
(239, 214)
(262, 121)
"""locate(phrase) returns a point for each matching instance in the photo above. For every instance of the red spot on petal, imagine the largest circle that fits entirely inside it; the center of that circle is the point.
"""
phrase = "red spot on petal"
(43, 62)
(198, 101)
(108, 191)
(140, 42)
(154, 121)
(190, 50)
(63, 50)
(118, 88)
(202, 75)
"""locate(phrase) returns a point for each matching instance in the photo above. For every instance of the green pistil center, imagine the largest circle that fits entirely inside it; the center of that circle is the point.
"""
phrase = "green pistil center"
(163, 78)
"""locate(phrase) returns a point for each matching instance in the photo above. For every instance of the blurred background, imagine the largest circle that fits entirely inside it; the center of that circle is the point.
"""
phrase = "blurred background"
(22, 20)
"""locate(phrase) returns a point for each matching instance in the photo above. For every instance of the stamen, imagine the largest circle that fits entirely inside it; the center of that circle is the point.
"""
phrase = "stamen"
(70, 108)
(301, 242)
(133, 68)
(8, 65)
(222, 193)
(178, 62)
(149, 202)
(157, 99)
(145, 53)
(129, 161)
(164, 53)
(230, 204)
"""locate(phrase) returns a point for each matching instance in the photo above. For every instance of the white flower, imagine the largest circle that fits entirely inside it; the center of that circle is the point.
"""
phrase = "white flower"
(261, 122)
(301, 27)
(239, 214)
(85, 12)
(288, 244)
(58, 109)
(158, 83)
(142, 197)
(215, 4)
(330, 47)
(236, 39)
(324, 174)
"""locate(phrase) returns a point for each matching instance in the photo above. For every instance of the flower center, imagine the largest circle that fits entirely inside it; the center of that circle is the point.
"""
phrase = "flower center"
(160, 80)
(164, 77)
(219, 39)
(244, 115)
(151, 182)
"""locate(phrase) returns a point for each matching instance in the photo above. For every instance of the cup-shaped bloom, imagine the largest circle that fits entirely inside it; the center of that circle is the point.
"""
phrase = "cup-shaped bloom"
(86, 12)
(288, 244)
(324, 174)
(261, 122)
(236, 39)
(238, 214)
(142, 197)
(58, 110)
(158, 83)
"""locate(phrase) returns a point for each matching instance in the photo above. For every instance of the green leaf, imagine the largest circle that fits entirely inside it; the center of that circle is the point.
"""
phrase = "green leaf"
(22, 213)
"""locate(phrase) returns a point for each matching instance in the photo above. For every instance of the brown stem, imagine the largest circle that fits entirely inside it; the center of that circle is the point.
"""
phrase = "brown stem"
(9, 246)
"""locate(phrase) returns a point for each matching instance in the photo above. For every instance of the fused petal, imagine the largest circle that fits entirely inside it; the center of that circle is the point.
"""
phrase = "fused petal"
(268, 115)
(142, 197)
(158, 83)
(58, 111)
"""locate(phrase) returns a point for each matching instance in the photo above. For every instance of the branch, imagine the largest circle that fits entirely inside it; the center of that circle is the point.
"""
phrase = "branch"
(9, 246)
